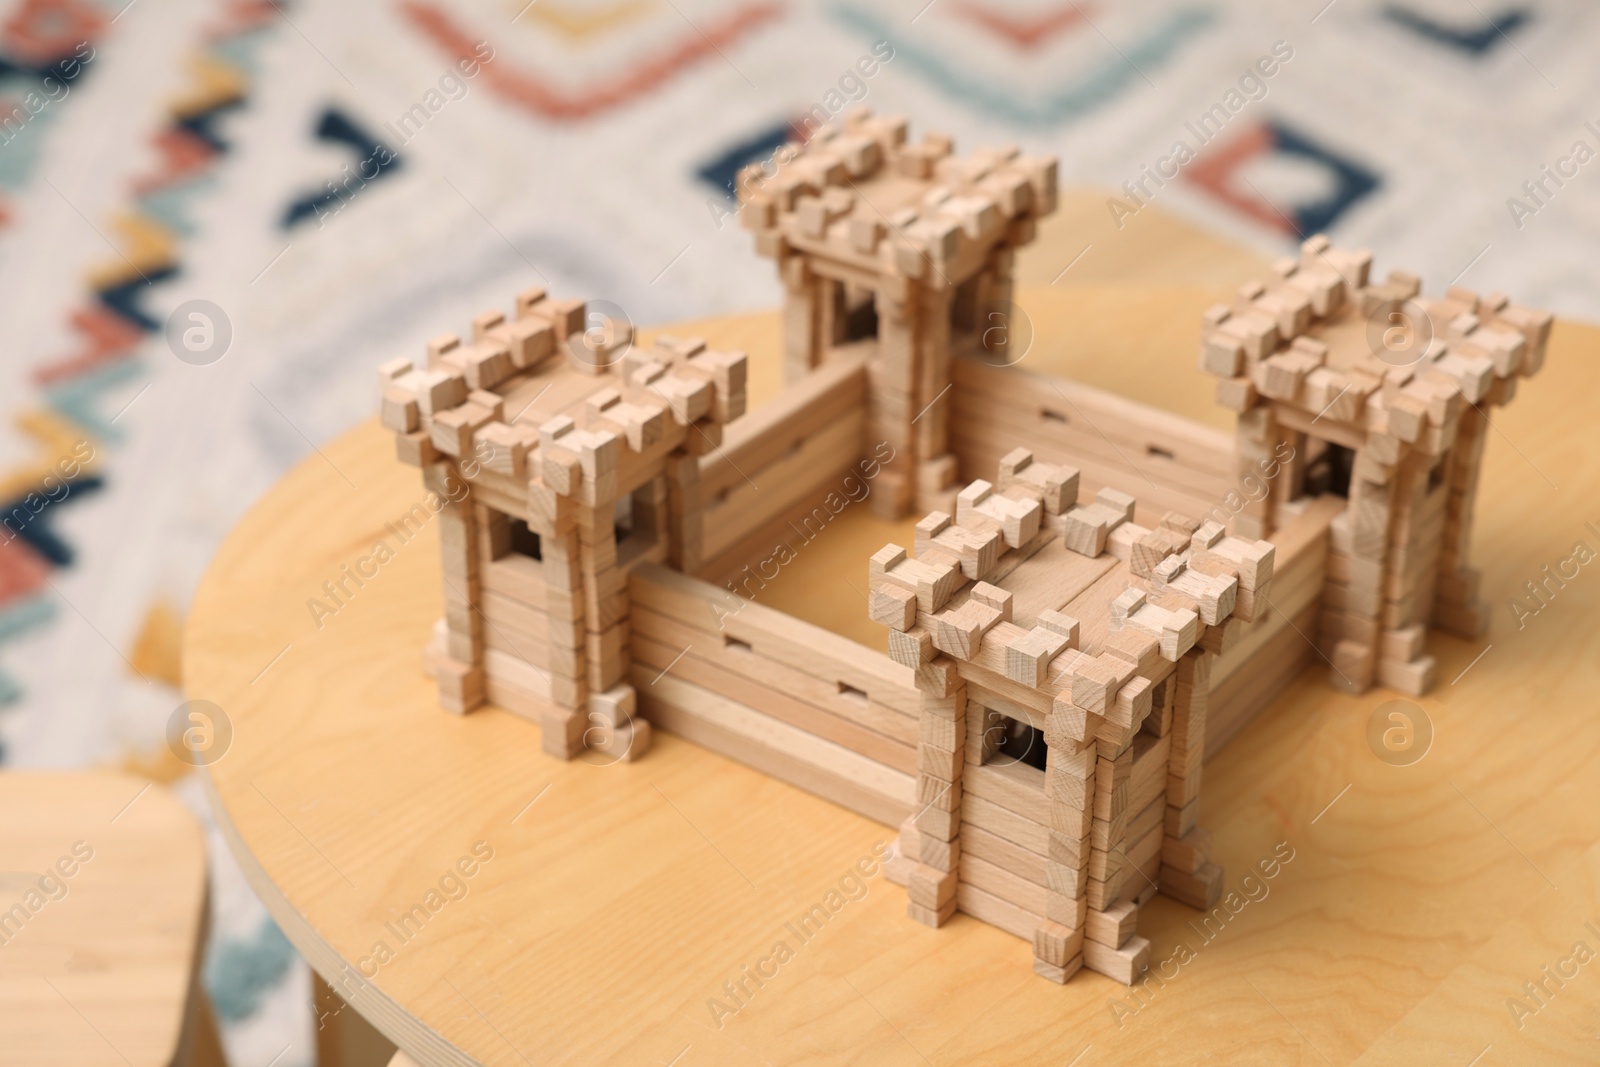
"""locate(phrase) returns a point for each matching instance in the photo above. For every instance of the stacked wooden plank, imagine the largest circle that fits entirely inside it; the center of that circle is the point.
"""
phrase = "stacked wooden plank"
(805, 705)
(1269, 652)
(1181, 465)
(778, 464)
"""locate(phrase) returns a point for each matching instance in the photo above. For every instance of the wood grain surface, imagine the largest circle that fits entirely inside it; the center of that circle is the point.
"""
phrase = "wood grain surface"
(100, 967)
(1405, 910)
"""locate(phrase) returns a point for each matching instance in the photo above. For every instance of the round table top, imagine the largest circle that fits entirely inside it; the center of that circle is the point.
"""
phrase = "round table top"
(480, 902)
(109, 874)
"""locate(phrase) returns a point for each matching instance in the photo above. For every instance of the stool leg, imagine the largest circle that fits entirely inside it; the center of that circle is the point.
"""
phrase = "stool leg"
(344, 1038)
(201, 1044)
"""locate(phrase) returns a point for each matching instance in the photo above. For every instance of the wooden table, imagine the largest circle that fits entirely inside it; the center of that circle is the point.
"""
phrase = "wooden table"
(619, 899)
(100, 965)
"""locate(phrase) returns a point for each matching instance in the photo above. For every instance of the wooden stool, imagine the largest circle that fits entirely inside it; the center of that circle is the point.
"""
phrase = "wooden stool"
(103, 897)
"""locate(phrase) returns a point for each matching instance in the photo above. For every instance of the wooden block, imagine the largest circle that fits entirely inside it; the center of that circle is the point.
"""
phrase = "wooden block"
(1093, 683)
(398, 410)
(1352, 264)
(1068, 849)
(568, 693)
(959, 631)
(940, 794)
(1321, 284)
(485, 364)
(528, 340)
(1057, 484)
(941, 824)
(934, 917)
(1218, 639)
(1132, 703)
(439, 390)
(1055, 943)
(913, 648)
(1116, 501)
(941, 686)
(461, 684)
(1069, 721)
(930, 887)
(452, 431)
(978, 550)
(1136, 647)
(1111, 780)
(1086, 528)
(641, 425)
(1028, 657)
(1406, 417)
(493, 402)
(1221, 354)
(440, 346)
(1065, 625)
(940, 855)
(1282, 376)
(488, 320)
(1155, 547)
(689, 398)
(1183, 524)
(1175, 631)
(894, 606)
(934, 578)
(416, 449)
(1069, 776)
(992, 596)
(508, 448)
(1103, 894)
(1058, 975)
(1069, 880)
(1070, 821)
(1412, 677)
(1353, 666)
(1179, 820)
(1403, 644)
(1120, 541)
(391, 371)
(1236, 394)
(566, 317)
(528, 301)
(1018, 520)
(561, 731)
(940, 763)
(865, 233)
(1187, 853)
(627, 741)
(1199, 889)
(1113, 926)
(1214, 595)
(614, 707)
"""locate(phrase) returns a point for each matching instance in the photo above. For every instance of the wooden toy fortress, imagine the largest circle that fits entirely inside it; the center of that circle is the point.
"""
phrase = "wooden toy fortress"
(1099, 593)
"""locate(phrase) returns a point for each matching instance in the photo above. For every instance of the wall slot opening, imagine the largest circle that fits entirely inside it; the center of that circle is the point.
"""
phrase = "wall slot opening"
(1020, 742)
(523, 540)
